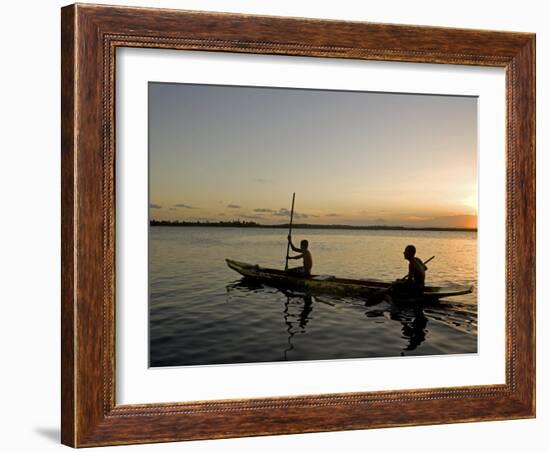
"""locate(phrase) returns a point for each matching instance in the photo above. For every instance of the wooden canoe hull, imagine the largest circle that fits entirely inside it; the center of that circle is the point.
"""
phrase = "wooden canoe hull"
(330, 284)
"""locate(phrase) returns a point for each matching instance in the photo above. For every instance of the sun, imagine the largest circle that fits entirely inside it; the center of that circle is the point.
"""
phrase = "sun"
(471, 203)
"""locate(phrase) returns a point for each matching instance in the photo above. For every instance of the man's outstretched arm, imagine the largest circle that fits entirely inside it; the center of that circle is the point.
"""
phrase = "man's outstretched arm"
(299, 256)
(297, 250)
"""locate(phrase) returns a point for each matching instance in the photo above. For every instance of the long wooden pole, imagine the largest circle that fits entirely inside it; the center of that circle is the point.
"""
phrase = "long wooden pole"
(290, 230)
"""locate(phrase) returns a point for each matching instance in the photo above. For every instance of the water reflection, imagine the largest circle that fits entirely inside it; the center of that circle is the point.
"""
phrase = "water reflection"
(413, 327)
(305, 307)
(298, 307)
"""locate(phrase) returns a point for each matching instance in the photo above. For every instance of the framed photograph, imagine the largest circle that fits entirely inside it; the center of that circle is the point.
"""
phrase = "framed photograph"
(281, 225)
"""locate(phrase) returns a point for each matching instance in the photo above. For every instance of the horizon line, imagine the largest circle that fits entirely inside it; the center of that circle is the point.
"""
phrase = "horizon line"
(241, 223)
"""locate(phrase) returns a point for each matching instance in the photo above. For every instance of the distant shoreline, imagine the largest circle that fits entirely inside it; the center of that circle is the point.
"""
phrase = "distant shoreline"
(252, 224)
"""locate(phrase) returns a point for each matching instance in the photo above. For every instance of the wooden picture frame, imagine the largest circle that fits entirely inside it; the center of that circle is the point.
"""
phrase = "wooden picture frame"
(90, 36)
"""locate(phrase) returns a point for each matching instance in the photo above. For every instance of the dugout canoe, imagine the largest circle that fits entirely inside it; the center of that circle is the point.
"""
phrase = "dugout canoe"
(335, 285)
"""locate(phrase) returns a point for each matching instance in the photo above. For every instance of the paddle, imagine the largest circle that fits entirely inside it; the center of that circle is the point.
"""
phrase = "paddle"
(289, 231)
(386, 290)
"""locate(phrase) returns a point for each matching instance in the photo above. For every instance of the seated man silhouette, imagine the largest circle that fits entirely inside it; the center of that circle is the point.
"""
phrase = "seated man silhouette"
(413, 283)
(305, 254)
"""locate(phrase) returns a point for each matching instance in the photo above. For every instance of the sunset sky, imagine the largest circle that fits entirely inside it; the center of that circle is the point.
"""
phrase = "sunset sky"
(358, 158)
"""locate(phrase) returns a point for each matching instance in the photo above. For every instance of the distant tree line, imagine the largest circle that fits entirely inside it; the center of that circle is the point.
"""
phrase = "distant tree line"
(216, 224)
(253, 224)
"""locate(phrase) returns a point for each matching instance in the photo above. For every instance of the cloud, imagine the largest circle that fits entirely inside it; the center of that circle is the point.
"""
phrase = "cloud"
(332, 215)
(264, 210)
(155, 206)
(171, 208)
(185, 206)
(286, 213)
(260, 180)
(379, 220)
(252, 217)
(233, 206)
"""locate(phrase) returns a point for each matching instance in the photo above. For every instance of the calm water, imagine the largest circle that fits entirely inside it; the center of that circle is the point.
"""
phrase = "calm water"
(201, 312)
